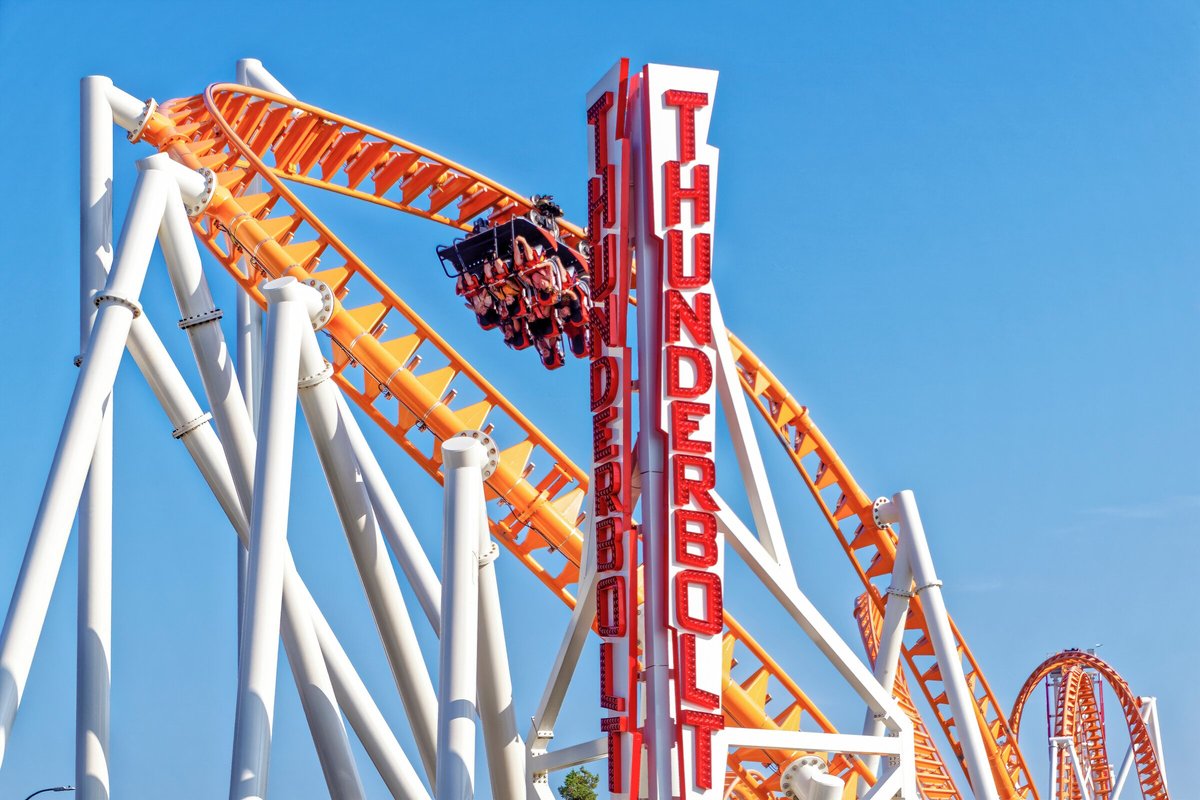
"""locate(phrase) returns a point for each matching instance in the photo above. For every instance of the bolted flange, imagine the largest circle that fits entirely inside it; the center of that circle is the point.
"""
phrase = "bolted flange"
(322, 317)
(489, 446)
(210, 186)
(882, 512)
(143, 119)
(790, 779)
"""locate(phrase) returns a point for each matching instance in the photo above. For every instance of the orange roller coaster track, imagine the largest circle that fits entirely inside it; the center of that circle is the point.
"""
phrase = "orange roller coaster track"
(420, 391)
(1077, 717)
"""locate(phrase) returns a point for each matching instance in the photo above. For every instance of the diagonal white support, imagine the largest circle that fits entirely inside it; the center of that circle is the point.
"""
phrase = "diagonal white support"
(85, 417)
(745, 445)
(192, 428)
(891, 640)
(317, 694)
(318, 397)
(400, 535)
(286, 323)
(785, 589)
(902, 509)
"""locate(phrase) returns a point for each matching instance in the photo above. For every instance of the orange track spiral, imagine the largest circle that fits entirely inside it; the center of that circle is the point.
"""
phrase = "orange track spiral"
(1077, 717)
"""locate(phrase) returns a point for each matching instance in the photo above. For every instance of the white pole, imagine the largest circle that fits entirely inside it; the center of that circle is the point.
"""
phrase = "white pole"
(94, 622)
(365, 717)
(200, 319)
(962, 703)
(891, 636)
(1150, 714)
(192, 428)
(462, 466)
(1055, 745)
(318, 398)
(288, 317)
(251, 72)
(400, 535)
(659, 727)
(317, 695)
(77, 443)
(497, 707)
(249, 363)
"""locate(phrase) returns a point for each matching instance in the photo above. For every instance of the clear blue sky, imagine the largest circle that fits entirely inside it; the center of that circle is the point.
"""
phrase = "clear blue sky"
(965, 236)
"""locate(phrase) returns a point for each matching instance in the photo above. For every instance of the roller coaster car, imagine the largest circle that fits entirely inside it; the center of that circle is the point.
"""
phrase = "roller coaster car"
(534, 304)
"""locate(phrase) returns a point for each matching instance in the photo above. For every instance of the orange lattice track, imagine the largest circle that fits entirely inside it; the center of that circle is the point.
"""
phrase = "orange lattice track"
(932, 776)
(420, 391)
(1078, 717)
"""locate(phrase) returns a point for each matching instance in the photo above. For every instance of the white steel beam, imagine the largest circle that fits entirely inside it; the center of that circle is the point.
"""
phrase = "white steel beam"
(462, 468)
(745, 445)
(85, 417)
(891, 636)
(249, 355)
(571, 756)
(565, 662)
(816, 741)
(317, 695)
(1151, 717)
(318, 398)
(497, 706)
(396, 528)
(94, 615)
(903, 510)
(651, 448)
(286, 322)
(192, 428)
(785, 589)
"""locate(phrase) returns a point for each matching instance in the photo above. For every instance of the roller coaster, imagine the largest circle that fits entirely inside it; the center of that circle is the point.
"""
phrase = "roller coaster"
(226, 167)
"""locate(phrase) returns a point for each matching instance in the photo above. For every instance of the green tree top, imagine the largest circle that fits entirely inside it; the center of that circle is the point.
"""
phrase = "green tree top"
(579, 785)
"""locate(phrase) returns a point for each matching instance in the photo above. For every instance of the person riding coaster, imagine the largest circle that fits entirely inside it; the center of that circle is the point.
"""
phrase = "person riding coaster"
(519, 277)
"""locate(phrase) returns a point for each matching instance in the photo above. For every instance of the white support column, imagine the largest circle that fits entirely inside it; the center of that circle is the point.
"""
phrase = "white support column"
(94, 615)
(497, 707)
(289, 317)
(318, 397)
(317, 694)
(192, 428)
(85, 417)
(200, 318)
(365, 717)
(249, 359)
(1150, 714)
(399, 532)
(962, 703)
(891, 637)
(462, 467)
(659, 726)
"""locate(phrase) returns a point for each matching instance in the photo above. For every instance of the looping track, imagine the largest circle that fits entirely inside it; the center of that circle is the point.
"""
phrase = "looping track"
(420, 391)
(1076, 707)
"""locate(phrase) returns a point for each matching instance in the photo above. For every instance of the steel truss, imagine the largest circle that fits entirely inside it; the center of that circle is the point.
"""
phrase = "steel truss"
(221, 177)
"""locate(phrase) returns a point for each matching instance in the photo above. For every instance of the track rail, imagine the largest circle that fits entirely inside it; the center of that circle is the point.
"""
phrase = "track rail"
(420, 391)
(402, 373)
(1071, 664)
(932, 776)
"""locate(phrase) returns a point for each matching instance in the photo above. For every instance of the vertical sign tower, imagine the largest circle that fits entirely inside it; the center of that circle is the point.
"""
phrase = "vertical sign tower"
(667, 172)
(613, 536)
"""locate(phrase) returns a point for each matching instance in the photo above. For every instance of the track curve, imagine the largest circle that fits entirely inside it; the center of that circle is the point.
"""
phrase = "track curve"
(1072, 663)
(414, 385)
